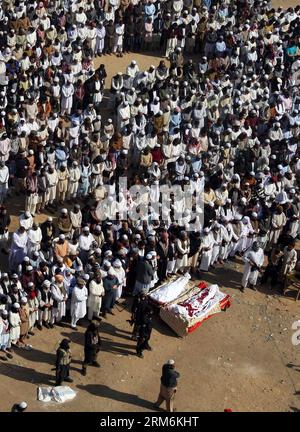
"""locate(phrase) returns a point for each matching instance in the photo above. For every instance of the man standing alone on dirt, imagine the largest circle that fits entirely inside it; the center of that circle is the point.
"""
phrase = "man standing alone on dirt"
(168, 386)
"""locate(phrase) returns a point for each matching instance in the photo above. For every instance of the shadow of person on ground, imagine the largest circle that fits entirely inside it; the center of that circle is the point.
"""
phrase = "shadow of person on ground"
(108, 393)
(22, 373)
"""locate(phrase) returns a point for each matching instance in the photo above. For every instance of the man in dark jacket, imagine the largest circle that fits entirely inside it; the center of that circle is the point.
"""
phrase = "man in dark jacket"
(92, 342)
(168, 386)
(144, 332)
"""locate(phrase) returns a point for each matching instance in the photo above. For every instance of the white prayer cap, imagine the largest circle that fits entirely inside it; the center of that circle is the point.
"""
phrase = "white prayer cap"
(29, 268)
(14, 276)
(46, 283)
(243, 200)
(201, 173)
(231, 163)
(108, 253)
(117, 263)
(138, 236)
(206, 230)
(98, 251)
(149, 256)
(252, 173)
(23, 405)
(111, 272)
(109, 120)
(133, 62)
(30, 284)
(106, 263)
(277, 124)
(64, 211)
(292, 191)
(4, 312)
(228, 201)
(64, 164)
(280, 167)
(273, 156)
(86, 276)
(24, 300)
(86, 228)
(27, 214)
(49, 219)
(62, 237)
(31, 152)
(16, 305)
(254, 214)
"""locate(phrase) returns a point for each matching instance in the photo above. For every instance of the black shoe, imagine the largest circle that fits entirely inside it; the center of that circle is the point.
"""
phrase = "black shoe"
(83, 372)
(68, 379)
(96, 364)
(149, 348)
(51, 326)
(46, 325)
(242, 289)
(39, 327)
(8, 355)
(111, 312)
(140, 355)
(31, 333)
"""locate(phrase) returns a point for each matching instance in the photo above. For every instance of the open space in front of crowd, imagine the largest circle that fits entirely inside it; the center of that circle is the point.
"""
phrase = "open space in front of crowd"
(149, 193)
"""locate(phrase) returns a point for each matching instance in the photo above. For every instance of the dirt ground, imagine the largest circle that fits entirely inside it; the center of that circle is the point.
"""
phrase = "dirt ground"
(241, 359)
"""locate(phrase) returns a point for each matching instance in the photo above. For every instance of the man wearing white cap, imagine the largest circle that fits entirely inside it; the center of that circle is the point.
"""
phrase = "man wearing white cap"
(24, 316)
(121, 276)
(96, 292)
(78, 302)
(168, 386)
(34, 239)
(18, 248)
(45, 305)
(86, 242)
(206, 249)
(4, 334)
(14, 322)
(254, 259)
(74, 177)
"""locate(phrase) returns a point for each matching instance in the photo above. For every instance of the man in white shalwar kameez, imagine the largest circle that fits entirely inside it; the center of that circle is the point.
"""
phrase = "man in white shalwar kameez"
(121, 276)
(123, 115)
(74, 177)
(96, 292)
(206, 249)
(254, 259)
(18, 249)
(78, 302)
(4, 176)
(67, 98)
(60, 297)
(34, 239)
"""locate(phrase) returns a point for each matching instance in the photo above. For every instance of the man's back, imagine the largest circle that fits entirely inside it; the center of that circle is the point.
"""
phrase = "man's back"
(169, 376)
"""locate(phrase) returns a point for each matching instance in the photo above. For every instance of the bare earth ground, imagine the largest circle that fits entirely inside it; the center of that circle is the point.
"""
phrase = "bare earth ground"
(238, 359)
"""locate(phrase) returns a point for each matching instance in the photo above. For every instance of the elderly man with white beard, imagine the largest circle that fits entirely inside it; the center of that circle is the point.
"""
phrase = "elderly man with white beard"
(78, 302)
(254, 259)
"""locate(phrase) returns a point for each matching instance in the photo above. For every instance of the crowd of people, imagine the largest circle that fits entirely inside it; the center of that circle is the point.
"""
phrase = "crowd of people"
(222, 126)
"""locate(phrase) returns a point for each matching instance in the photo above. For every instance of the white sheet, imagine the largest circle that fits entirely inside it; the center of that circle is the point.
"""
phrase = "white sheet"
(170, 291)
(200, 306)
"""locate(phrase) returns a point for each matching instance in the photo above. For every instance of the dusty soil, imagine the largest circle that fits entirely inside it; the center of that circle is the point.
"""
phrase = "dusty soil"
(241, 359)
